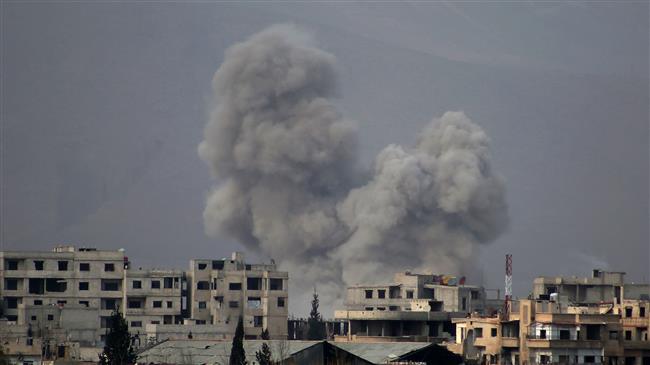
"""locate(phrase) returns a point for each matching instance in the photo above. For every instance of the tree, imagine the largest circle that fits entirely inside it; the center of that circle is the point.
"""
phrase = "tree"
(265, 334)
(315, 321)
(264, 356)
(118, 349)
(237, 353)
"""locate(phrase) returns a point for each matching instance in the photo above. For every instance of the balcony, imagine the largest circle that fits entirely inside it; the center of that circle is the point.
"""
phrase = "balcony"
(636, 322)
(565, 344)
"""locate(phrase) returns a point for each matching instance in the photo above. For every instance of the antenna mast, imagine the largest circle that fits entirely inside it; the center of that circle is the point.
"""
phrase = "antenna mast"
(507, 304)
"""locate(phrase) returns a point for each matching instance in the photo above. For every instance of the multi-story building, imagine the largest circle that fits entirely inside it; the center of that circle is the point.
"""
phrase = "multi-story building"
(571, 321)
(153, 296)
(223, 290)
(415, 307)
(602, 286)
(70, 293)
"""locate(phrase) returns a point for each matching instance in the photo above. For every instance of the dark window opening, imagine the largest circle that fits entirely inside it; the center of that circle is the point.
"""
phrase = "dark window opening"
(155, 284)
(628, 335)
(38, 302)
(12, 264)
(84, 303)
(11, 302)
(254, 283)
(109, 303)
(136, 284)
(168, 283)
(565, 335)
(257, 321)
(234, 286)
(170, 304)
(83, 285)
(203, 285)
(381, 294)
(233, 304)
(38, 265)
(628, 312)
(203, 305)
(11, 284)
(478, 332)
(368, 294)
(134, 304)
(202, 266)
(593, 332)
(157, 303)
(280, 302)
(63, 266)
(109, 267)
(641, 311)
(493, 332)
(542, 334)
(217, 265)
(50, 317)
(56, 285)
(84, 266)
(110, 285)
(275, 284)
(409, 294)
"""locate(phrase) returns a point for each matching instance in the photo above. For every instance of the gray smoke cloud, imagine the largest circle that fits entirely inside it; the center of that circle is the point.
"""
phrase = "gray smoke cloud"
(289, 183)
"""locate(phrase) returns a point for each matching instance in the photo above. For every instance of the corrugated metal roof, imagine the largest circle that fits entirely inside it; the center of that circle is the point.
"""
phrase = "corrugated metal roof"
(198, 352)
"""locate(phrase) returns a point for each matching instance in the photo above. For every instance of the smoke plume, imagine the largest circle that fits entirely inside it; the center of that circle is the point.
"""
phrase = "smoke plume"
(288, 181)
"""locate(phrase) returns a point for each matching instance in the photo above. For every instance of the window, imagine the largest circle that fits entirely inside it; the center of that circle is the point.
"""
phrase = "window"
(593, 332)
(83, 285)
(110, 285)
(628, 335)
(38, 265)
(109, 267)
(84, 303)
(590, 359)
(200, 321)
(394, 308)
(168, 283)
(479, 332)
(464, 303)
(38, 302)
(134, 304)
(203, 285)
(63, 266)
(257, 321)
(170, 304)
(565, 335)
(202, 305)
(368, 294)
(157, 303)
(369, 308)
(254, 283)
(109, 303)
(544, 359)
(234, 286)
(409, 294)
(50, 317)
(136, 323)
(542, 333)
(11, 284)
(254, 302)
(56, 285)
(233, 304)
(12, 264)
(202, 266)
(275, 284)
(628, 312)
(381, 294)
(381, 308)
(11, 303)
(155, 284)
(84, 266)
(280, 302)
(61, 302)
(493, 332)
(158, 322)
(613, 335)
(217, 265)
(33, 318)
(475, 295)
(642, 312)
(136, 284)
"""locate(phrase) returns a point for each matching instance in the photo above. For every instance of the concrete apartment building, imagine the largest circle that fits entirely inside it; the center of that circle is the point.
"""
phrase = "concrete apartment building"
(602, 286)
(589, 323)
(223, 290)
(414, 307)
(71, 292)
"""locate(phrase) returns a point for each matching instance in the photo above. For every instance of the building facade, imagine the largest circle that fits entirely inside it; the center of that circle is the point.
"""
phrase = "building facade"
(414, 307)
(223, 290)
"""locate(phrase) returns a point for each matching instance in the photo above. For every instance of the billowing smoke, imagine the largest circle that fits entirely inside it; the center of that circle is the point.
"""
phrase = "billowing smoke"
(289, 186)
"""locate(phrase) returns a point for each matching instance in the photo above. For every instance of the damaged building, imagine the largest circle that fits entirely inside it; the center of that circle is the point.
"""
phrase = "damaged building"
(414, 307)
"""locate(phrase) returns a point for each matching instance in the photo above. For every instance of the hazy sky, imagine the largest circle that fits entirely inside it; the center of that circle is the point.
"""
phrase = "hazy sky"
(104, 104)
